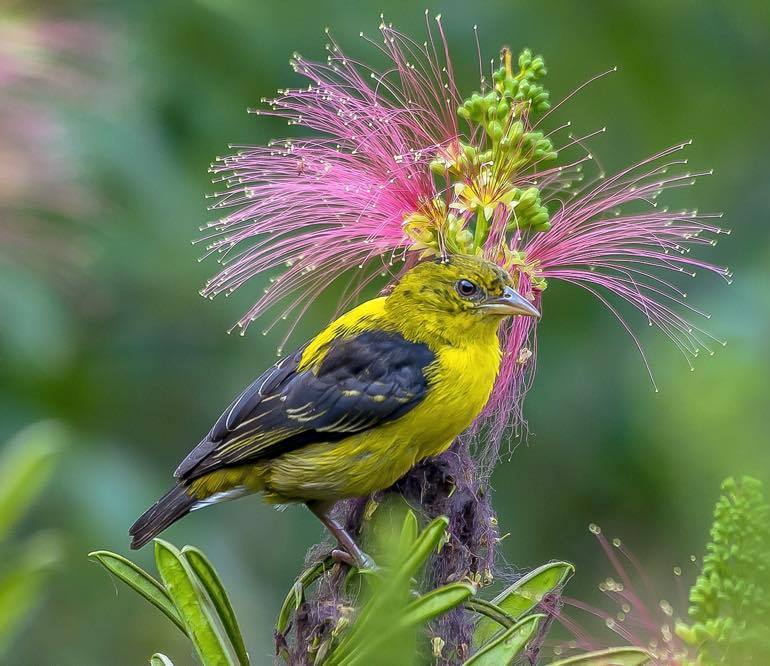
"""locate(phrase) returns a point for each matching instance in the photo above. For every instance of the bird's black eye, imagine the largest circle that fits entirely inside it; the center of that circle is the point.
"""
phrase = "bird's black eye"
(466, 288)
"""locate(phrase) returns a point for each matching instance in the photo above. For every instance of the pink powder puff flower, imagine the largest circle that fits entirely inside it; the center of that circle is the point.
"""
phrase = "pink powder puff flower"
(401, 165)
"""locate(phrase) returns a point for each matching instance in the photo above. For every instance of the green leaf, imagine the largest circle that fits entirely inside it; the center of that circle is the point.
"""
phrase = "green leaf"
(523, 595)
(409, 531)
(159, 659)
(424, 545)
(623, 656)
(504, 648)
(139, 581)
(193, 605)
(210, 580)
(296, 593)
(377, 620)
(418, 612)
(434, 603)
(26, 465)
(22, 577)
(421, 610)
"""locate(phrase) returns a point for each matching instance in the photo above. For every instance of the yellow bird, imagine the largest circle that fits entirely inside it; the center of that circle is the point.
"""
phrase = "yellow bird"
(391, 382)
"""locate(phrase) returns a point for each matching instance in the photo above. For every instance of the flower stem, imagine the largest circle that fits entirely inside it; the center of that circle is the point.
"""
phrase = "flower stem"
(482, 228)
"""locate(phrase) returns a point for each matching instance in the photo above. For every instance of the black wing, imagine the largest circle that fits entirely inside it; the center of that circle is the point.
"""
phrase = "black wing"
(362, 382)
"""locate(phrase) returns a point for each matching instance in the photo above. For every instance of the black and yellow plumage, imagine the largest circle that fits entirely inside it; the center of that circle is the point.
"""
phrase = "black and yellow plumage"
(391, 382)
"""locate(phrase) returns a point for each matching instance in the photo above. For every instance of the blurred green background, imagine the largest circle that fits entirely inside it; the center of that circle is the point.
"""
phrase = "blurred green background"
(111, 112)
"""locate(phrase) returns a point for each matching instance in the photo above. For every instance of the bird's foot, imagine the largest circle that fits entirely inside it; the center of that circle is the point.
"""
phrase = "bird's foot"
(349, 553)
(343, 557)
(360, 560)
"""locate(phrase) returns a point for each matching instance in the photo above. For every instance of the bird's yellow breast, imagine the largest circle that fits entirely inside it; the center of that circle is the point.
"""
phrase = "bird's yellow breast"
(460, 382)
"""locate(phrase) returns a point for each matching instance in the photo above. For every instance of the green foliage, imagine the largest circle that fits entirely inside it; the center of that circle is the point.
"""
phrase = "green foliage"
(625, 656)
(191, 595)
(730, 600)
(383, 626)
(26, 465)
(194, 606)
(388, 620)
(159, 659)
(522, 596)
(385, 621)
(211, 582)
(296, 594)
(507, 646)
(141, 582)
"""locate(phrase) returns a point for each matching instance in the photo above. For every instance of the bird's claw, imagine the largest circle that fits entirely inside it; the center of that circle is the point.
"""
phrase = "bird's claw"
(343, 557)
(360, 560)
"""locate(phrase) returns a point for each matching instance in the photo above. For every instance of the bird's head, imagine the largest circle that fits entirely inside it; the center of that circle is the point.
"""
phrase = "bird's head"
(457, 297)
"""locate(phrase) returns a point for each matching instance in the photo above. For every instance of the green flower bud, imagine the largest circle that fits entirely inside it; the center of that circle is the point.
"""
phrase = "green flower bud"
(528, 198)
(495, 129)
(438, 167)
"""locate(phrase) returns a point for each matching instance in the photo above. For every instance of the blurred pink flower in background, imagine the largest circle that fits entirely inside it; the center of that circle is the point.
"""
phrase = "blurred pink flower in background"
(44, 65)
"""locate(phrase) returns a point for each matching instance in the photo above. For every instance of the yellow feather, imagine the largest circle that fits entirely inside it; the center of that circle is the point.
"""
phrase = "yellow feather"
(424, 308)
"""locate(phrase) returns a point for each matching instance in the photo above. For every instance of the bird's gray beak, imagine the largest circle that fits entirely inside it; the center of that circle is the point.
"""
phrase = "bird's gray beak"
(510, 303)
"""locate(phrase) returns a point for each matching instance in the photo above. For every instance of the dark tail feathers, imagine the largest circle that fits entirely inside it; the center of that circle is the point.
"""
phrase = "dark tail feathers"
(175, 504)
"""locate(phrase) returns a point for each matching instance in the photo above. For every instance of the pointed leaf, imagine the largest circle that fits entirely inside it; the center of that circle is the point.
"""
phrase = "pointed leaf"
(182, 585)
(25, 568)
(421, 610)
(409, 531)
(523, 595)
(139, 581)
(506, 647)
(26, 465)
(159, 659)
(427, 541)
(434, 603)
(395, 583)
(623, 656)
(210, 580)
(297, 591)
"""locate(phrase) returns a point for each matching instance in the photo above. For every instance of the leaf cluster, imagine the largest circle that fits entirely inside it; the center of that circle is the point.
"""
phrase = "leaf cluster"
(27, 463)
(730, 600)
(390, 622)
